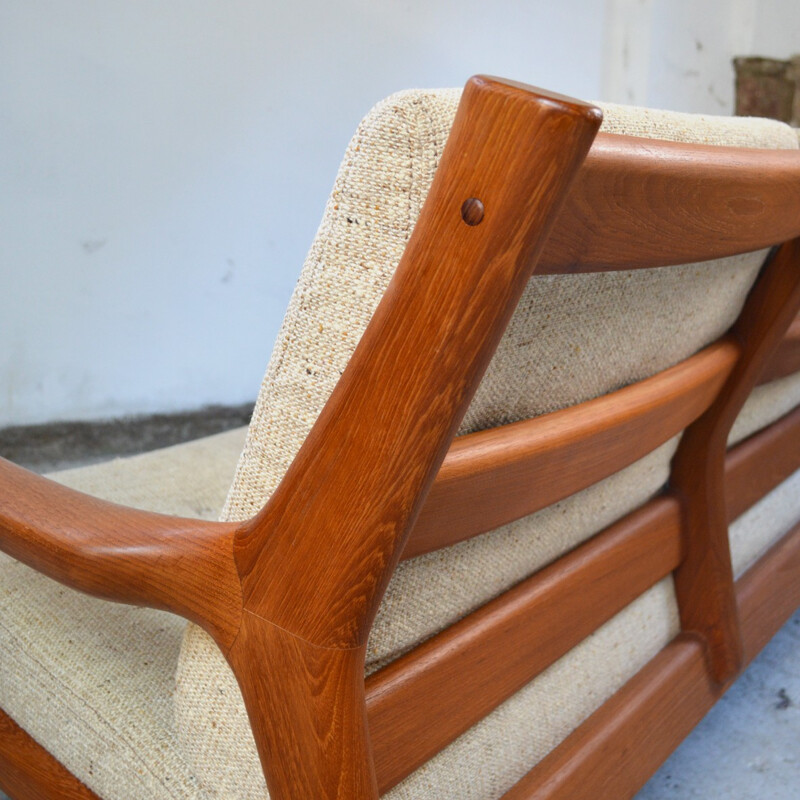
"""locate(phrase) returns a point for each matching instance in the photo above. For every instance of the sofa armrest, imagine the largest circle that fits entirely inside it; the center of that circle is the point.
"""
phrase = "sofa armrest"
(120, 553)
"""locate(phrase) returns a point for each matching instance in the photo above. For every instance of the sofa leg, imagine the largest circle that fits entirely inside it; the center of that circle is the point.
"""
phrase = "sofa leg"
(308, 713)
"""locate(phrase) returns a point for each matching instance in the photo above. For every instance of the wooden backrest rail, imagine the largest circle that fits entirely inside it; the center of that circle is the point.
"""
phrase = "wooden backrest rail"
(758, 464)
(640, 203)
(493, 477)
(522, 632)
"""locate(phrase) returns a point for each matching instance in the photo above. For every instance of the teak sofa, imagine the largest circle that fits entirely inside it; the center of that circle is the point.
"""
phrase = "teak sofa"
(491, 535)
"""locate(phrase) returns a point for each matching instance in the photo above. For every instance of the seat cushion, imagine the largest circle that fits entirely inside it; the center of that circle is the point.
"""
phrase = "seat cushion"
(93, 681)
(187, 480)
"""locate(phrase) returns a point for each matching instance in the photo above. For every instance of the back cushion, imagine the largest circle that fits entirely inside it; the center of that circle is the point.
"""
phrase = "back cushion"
(573, 337)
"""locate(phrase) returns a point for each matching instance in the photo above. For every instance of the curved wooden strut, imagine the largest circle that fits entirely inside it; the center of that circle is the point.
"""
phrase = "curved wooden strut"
(363, 472)
(704, 582)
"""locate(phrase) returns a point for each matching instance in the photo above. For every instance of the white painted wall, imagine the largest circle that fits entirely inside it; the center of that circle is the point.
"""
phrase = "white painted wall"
(164, 163)
(677, 53)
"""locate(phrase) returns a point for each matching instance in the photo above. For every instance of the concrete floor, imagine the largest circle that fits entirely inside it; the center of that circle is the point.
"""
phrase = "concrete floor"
(747, 747)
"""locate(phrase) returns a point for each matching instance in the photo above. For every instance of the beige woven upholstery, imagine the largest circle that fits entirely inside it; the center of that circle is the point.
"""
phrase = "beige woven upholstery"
(572, 338)
(766, 404)
(188, 480)
(110, 719)
(765, 522)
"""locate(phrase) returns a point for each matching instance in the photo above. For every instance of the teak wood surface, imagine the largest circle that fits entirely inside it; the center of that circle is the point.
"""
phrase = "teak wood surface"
(786, 361)
(29, 772)
(486, 479)
(290, 595)
(522, 632)
(613, 753)
(704, 580)
(645, 203)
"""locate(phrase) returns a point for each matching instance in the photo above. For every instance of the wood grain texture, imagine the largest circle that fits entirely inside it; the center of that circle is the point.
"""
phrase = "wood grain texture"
(786, 361)
(520, 634)
(495, 476)
(704, 581)
(646, 203)
(315, 562)
(613, 754)
(769, 592)
(522, 643)
(618, 748)
(359, 478)
(307, 711)
(29, 772)
(759, 463)
(123, 554)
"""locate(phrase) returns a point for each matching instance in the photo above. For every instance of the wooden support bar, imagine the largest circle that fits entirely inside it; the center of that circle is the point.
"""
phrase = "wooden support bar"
(520, 633)
(29, 772)
(493, 477)
(619, 747)
(647, 203)
(758, 464)
(520, 623)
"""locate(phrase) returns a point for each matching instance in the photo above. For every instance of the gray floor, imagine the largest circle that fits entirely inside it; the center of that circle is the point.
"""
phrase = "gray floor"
(747, 748)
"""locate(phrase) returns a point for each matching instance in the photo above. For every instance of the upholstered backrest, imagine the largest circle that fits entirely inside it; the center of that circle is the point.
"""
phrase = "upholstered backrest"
(572, 338)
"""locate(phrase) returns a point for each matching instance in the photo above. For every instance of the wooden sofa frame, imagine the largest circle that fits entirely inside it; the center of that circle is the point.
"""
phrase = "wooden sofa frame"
(290, 595)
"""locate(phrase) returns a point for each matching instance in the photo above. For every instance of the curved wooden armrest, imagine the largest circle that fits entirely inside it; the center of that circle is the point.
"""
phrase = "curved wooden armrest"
(123, 554)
